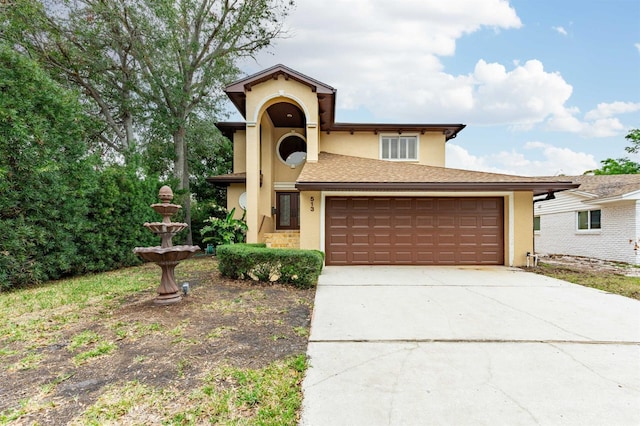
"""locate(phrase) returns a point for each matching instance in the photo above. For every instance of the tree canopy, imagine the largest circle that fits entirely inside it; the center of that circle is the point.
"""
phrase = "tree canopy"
(146, 66)
(622, 166)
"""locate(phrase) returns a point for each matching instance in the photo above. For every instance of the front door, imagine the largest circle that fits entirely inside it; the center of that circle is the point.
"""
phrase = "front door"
(287, 210)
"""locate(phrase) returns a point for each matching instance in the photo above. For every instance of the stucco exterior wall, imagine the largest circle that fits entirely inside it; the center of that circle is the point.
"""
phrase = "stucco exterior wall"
(240, 152)
(522, 227)
(431, 146)
(266, 168)
(615, 241)
(233, 195)
(310, 220)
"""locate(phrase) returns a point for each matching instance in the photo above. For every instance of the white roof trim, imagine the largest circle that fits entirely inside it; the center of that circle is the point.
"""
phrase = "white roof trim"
(582, 193)
(629, 196)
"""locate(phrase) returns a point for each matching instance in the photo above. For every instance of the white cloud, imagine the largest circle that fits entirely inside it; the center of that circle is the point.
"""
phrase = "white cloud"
(523, 96)
(598, 123)
(560, 30)
(607, 110)
(385, 57)
(637, 45)
(551, 160)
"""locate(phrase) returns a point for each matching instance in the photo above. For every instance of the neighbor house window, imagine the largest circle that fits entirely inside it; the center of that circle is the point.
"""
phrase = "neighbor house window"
(399, 148)
(536, 223)
(589, 219)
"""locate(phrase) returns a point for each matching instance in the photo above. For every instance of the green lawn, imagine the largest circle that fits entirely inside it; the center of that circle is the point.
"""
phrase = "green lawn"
(606, 281)
(94, 324)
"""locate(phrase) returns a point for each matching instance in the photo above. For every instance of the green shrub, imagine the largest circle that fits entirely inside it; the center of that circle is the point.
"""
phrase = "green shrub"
(45, 174)
(300, 268)
(227, 230)
(118, 207)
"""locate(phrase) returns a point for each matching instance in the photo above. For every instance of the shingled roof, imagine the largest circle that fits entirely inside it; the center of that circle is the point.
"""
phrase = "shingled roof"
(605, 186)
(342, 172)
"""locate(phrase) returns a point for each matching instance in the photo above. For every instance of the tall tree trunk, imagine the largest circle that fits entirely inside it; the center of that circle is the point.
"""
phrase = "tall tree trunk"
(130, 143)
(181, 172)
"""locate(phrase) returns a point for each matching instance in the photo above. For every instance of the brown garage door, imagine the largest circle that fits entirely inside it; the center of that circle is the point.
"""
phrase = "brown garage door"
(421, 231)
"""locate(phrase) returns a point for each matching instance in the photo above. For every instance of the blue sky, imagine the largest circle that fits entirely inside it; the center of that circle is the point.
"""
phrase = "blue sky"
(545, 87)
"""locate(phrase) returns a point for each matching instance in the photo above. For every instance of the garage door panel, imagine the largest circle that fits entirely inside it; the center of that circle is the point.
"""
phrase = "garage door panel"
(339, 204)
(337, 257)
(382, 222)
(359, 256)
(400, 204)
(447, 204)
(492, 204)
(425, 258)
(359, 239)
(404, 239)
(404, 258)
(425, 222)
(490, 240)
(447, 258)
(425, 240)
(381, 257)
(446, 222)
(356, 222)
(468, 205)
(338, 240)
(381, 204)
(358, 204)
(469, 222)
(425, 204)
(490, 222)
(385, 240)
(404, 230)
(403, 222)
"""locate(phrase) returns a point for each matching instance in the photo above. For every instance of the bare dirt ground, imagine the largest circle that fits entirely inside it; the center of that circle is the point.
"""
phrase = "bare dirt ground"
(235, 323)
(588, 264)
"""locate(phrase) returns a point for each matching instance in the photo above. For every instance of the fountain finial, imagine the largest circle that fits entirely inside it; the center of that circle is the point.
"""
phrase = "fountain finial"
(165, 194)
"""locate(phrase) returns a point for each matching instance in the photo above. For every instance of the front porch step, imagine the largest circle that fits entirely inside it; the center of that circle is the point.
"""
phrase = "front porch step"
(282, 239)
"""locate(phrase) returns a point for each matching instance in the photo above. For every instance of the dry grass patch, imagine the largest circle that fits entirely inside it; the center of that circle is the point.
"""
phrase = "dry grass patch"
(97, 350)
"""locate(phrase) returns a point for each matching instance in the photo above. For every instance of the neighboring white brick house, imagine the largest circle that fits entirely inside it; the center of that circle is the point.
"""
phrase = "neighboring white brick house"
(600, 219)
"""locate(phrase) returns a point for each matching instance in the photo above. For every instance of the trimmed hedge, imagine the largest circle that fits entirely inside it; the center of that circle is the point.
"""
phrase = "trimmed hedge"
(300, 268)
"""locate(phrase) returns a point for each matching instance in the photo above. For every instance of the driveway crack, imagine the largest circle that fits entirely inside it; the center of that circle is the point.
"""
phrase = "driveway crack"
(526, 313)
(577, 361)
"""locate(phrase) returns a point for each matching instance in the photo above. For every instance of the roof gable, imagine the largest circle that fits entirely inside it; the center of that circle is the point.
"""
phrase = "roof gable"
(326, 94)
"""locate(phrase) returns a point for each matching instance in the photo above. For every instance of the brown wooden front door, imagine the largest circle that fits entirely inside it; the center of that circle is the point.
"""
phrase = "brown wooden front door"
(288, 210)
(418, 231)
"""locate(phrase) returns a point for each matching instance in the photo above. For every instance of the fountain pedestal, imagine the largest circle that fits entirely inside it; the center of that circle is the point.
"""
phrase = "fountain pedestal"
(167, 256)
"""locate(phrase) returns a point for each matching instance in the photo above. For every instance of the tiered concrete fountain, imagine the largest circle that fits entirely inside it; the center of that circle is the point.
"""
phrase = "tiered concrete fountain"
(167, 256)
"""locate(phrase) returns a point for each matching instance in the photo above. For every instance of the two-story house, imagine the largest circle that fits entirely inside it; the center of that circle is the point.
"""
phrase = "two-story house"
(366, 193)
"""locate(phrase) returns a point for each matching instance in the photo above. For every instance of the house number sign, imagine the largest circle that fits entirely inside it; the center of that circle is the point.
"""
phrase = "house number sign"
(312, 200)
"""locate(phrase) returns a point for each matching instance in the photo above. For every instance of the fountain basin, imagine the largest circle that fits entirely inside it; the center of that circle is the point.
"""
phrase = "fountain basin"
(163, 228)
(166, 209)
(167, 258)
(166, 254)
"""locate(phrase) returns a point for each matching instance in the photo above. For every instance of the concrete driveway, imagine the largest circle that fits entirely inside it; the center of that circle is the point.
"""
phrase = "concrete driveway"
(469, 346)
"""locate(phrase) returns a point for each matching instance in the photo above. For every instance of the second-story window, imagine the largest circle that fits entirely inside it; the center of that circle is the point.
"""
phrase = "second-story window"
(402, 148)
